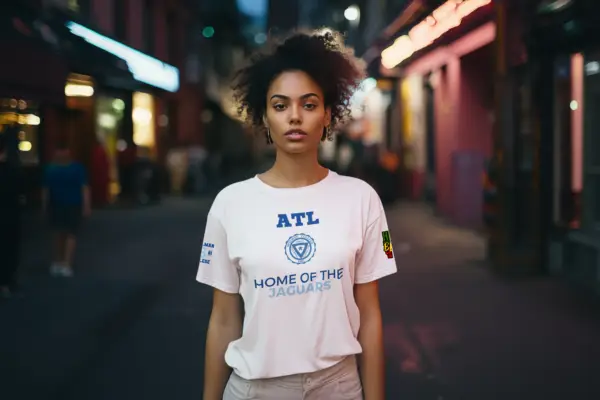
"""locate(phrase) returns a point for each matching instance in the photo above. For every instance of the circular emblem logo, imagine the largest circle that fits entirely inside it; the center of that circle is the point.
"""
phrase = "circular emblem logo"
(300, 248)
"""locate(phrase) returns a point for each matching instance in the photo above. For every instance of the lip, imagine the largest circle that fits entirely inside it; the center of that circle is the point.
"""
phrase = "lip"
(295, 135)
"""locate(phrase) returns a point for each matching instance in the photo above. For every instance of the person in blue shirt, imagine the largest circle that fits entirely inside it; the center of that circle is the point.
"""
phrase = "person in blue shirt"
(66, 199)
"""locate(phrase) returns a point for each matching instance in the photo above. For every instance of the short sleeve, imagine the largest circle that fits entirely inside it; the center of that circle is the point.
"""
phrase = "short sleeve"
(216, 268)
(376, 257)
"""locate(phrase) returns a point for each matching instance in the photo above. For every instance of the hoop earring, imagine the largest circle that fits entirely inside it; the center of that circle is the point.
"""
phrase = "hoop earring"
(269, 139)
(326, 133)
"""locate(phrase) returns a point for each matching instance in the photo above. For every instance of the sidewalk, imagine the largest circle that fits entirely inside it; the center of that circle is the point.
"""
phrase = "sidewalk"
(132, 322)
(454, 331)
(62, 330)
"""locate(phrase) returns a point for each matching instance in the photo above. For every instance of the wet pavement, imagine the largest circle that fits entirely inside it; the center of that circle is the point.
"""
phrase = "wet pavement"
(131, 324)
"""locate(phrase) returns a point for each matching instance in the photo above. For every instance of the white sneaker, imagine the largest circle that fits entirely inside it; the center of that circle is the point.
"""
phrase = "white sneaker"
(61, 270)
(55, 269)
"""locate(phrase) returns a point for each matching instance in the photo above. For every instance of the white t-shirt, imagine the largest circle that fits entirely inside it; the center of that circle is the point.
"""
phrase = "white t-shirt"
(295, 255)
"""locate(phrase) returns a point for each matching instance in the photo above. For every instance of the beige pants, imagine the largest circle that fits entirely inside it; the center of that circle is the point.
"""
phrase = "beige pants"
(340, 382)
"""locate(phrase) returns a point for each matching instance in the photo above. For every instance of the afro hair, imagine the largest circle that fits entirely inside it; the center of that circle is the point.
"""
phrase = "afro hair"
(320, 54)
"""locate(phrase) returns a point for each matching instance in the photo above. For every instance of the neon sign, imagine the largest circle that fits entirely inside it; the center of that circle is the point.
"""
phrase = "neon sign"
(144, 68)
(447, 16)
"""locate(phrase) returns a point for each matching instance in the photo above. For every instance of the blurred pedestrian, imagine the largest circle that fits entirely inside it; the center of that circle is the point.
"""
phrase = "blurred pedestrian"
(66, 199)
(302, 245)
(10, 221)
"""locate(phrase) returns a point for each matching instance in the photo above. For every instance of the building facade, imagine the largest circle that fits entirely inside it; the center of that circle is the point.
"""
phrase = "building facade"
(564, 68)
(513, 83)
(128, 88)
(443, 62)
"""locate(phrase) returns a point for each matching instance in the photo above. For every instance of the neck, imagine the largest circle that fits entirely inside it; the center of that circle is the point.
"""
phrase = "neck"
(298, 169)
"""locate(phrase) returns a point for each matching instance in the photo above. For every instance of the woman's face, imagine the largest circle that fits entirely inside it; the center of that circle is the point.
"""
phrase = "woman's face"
(296, 113)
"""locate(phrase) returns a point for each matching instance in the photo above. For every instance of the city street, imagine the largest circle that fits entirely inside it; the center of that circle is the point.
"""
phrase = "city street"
(131, 324)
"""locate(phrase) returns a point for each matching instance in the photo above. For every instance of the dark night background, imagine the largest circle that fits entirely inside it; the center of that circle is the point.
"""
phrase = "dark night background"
(481, 141)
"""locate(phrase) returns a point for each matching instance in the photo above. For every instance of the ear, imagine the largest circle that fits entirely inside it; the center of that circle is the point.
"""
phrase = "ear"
(265, 121)
(327, 121)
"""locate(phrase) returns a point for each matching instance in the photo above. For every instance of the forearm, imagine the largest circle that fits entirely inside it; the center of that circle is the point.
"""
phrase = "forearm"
(216, 371)
(372, 360)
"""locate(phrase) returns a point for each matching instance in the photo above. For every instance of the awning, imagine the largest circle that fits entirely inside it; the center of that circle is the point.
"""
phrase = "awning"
(87, 59)
(103, 56)
(144, 68)
(423, 26)
(413, 11)
(444, 25)
(32, 67)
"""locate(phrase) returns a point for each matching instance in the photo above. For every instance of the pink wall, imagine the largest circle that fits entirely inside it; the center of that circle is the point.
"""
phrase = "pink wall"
(463, 102)
(477, 101)
(446, 106)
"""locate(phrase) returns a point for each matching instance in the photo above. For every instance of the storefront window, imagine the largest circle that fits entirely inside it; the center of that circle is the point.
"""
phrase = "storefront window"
(143, 123)
(20, 119)
(109, 116)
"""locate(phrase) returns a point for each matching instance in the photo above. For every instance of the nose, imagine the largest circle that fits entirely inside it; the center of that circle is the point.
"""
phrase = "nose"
(295, 115)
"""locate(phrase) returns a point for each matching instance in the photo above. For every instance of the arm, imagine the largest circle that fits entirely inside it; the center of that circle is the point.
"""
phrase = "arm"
(376, 260)
(85, 192)
(371, 361)
(224, 327)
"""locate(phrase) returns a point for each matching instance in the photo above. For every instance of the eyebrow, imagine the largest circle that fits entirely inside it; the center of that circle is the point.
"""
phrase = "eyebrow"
(304, 96)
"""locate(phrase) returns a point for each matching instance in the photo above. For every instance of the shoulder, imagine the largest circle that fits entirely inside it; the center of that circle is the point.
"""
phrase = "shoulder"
(231, 194)
(354, 185)
(234, 190)
(369, 202)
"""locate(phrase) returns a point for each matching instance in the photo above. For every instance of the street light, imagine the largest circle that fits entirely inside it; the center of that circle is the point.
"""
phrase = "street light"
(352, 13)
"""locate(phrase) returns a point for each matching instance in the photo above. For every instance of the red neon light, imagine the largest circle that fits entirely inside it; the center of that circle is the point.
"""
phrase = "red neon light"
(447, 16)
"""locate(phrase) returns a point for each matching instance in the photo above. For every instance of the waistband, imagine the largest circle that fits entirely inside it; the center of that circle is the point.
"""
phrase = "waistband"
(314, 379)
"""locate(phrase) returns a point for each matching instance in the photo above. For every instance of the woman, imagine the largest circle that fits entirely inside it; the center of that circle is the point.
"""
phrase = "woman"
(302, 245)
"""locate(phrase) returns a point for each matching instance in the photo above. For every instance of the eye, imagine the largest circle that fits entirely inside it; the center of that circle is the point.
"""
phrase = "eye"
(310, 106)
(279, 107)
